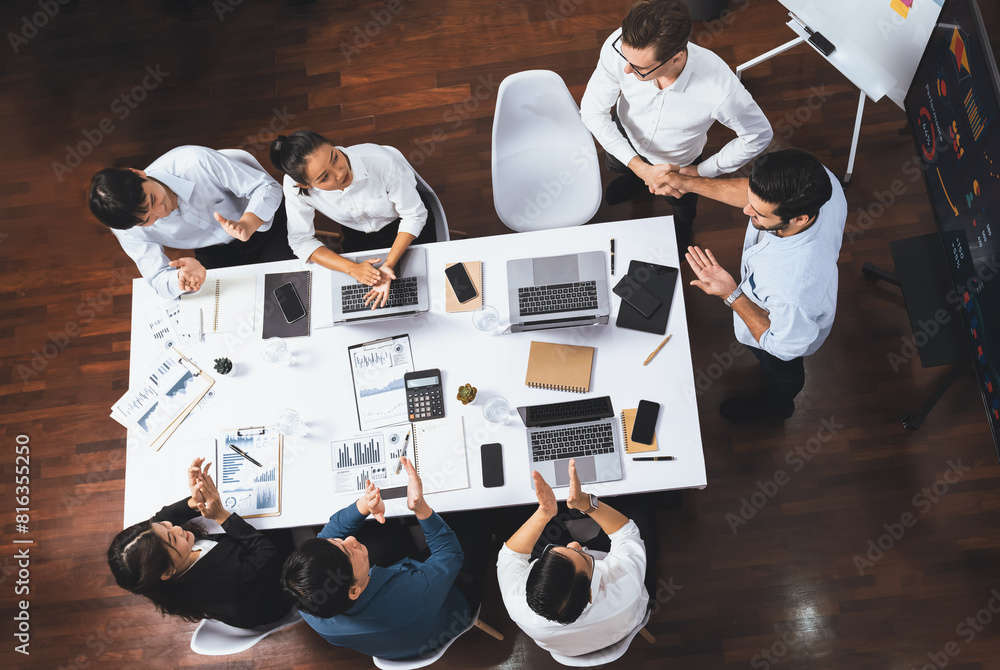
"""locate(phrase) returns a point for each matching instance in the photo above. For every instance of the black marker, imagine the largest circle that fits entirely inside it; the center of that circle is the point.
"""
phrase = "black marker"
(244, 455)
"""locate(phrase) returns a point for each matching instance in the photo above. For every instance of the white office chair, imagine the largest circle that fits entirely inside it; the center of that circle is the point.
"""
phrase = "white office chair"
(214, 638)
(545, 169)
(434, 656)
(608, 654)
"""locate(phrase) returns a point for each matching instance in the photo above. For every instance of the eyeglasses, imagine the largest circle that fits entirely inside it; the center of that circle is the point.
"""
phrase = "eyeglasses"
(639, 72)
(589, 558)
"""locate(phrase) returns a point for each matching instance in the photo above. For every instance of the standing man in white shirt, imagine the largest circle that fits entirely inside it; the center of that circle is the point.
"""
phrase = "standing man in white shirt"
(786, 299)
(571, 600)
(196, 198)
(653, 98)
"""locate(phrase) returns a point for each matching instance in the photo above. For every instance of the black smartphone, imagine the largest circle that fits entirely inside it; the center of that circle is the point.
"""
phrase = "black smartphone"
(289, 302)
(492, 464)
(644, 428)
(461, 282)
(824, 45)
(634, 294)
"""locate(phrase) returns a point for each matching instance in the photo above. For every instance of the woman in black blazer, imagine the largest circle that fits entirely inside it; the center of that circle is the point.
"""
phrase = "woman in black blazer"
(231, 577)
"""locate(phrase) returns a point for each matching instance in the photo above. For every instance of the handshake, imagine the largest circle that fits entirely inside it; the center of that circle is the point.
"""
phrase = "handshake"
(667, 178)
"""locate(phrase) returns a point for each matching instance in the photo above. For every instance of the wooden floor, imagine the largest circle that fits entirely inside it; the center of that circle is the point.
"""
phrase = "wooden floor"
(228, 73)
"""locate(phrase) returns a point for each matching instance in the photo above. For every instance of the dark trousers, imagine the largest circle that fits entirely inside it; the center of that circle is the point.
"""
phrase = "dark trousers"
(685, 207)
(786, 378)
(271, 245)
(356, 240)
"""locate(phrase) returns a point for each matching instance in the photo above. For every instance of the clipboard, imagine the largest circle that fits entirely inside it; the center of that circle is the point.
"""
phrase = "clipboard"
(250, 490)
(377, 370)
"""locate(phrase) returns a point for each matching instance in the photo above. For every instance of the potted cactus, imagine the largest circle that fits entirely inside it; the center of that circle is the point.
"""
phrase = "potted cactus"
(223, 365)
(467, 393)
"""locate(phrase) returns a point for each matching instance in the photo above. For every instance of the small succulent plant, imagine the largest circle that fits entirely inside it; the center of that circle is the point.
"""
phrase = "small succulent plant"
(466, 393)
(223, 366)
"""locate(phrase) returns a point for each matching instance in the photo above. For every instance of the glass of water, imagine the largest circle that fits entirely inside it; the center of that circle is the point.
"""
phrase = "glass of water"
(290, 424)
(486, 319)
(496, 409)
(275, 350)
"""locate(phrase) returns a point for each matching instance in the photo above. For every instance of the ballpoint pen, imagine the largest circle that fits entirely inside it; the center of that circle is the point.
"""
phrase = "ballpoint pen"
(399, 463)
(244, 455)
(654, 458)
(612, 257)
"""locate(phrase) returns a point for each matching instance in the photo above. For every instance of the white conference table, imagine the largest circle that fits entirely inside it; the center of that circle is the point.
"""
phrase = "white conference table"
(319, 385)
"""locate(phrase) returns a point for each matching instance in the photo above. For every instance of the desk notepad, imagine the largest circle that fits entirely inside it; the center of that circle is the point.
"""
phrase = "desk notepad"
(559, 367)
(451, 303)
(628, 423)
(226, 304)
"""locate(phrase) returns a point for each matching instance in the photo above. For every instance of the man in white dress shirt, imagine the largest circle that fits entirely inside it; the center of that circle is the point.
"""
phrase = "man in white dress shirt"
(653, 98)
(196, 198)
(786, 299)
(570, 600)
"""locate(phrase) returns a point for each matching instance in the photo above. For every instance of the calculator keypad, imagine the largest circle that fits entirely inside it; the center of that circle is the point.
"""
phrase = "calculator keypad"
(425, 403)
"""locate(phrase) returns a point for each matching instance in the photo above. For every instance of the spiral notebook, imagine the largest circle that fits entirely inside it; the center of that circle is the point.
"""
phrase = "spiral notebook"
(436, 447)
(223, 305)
(559, 367)
(628, 423)
(451, 303)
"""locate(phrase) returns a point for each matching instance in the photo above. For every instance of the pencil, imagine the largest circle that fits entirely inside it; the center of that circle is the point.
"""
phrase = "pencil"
(657, 350)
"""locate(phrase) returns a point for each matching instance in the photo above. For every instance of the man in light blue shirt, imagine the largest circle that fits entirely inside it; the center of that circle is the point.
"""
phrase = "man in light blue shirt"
(786, 299)
(406, 609)
(225, 208)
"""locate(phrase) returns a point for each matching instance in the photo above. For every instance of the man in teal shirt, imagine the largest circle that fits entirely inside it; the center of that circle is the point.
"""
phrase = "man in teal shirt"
(407, 609)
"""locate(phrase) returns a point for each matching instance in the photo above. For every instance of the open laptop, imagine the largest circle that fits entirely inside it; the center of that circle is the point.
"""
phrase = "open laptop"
(558, 291)
(408, 294)
(580, 429)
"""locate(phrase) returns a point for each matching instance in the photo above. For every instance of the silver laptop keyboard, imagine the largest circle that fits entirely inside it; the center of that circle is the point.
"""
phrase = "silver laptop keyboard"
(557, 298)
(402, 291)
(572, 441)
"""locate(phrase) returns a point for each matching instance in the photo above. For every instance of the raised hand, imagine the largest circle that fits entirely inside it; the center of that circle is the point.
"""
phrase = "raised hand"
(190, 273)
(546, 498)
(712, 278)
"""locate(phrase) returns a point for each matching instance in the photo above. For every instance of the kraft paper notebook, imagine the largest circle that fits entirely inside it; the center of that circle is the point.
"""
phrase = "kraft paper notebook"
(225, 304)
(559, 367)
(451, 303)
(628, 423)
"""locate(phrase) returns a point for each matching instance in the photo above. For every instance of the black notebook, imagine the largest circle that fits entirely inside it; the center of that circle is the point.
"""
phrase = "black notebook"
(658, 280)
(275, 324)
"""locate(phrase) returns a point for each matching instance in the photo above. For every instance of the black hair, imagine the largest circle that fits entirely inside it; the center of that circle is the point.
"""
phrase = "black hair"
(664, 25)
(793, 180)
(138, 559)
(318, 577)
(289, 154)
(555, 589)
(116, 198)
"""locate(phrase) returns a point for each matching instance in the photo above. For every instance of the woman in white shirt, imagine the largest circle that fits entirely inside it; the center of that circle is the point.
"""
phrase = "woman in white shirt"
(368, 189)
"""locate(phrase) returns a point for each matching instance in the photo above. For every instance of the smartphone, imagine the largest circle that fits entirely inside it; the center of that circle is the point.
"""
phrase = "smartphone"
(644, 428)
(289, 302)
(492, 464)
(824, 45)
(461, 282)
(634, 294)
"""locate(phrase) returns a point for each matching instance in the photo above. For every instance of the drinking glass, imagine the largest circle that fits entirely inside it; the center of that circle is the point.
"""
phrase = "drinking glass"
(290, 424)
(486, 319)
(496, 409)
(275, 350)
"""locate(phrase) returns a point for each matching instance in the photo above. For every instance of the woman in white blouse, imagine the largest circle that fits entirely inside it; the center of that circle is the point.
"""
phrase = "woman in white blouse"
(368, 189)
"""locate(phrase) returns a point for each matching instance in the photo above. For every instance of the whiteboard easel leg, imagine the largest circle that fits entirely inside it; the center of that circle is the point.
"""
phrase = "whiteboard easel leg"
(854, 141)
(769, 55)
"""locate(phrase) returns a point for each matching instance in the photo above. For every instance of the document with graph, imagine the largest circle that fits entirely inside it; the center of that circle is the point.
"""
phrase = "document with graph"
(378, 368)
(249, 480)
(375, 456)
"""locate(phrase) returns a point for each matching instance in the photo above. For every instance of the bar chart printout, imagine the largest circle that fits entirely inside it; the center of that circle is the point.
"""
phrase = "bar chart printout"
(371, 456)
(248, 489)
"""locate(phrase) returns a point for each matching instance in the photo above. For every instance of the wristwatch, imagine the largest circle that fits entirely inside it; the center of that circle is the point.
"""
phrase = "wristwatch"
(733, 296)
(594, 504)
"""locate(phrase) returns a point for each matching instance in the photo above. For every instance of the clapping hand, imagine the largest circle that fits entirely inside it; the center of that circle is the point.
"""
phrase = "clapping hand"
(371, 502)
(546, 498)
(195, 471)
(415, 491)
(212, 507)
(576, 498)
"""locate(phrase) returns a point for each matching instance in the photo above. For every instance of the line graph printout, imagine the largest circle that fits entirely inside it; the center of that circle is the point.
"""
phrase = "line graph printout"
(245, 488)
(378, 368)
(373, 456)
